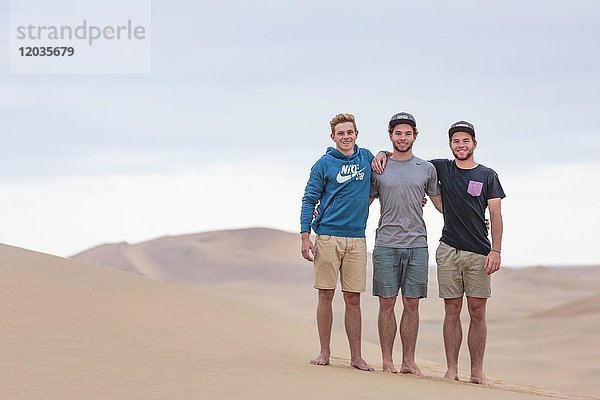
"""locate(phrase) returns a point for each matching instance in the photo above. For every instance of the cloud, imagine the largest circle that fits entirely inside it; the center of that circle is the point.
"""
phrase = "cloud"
(549, 213)
(66, 215)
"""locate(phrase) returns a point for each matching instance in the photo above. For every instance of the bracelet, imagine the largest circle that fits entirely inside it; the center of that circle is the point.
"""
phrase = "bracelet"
(497, 251)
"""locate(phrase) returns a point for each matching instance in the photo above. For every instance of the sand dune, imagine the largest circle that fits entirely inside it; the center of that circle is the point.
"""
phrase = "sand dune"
(589, 306)
(74, 331)
(260, 255)
(543, 322)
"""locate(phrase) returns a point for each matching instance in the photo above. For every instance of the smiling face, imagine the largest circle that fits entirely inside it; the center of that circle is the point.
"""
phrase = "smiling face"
(403, 137)
(344, 135)
(462, 145)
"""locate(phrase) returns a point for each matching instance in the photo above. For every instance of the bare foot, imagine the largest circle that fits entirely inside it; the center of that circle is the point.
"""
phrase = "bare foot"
(359, 363)
(388, 366)
(451, 374)
(411, 369)
(322, 359)
(480, 379)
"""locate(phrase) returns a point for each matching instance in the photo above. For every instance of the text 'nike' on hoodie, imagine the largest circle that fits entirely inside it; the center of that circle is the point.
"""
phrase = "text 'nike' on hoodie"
(340, 185)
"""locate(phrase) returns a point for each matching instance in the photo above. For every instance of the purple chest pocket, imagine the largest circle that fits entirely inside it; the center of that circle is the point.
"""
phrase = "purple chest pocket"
(475, 188)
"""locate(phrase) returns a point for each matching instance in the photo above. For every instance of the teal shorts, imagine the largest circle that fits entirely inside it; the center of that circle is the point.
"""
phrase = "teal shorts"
(400, 269)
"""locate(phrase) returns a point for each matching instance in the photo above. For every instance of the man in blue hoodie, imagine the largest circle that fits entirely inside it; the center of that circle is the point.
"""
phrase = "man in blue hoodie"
(338, 187)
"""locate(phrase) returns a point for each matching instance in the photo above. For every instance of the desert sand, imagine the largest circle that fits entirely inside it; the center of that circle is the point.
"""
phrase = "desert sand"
(71, 330)
(544, 323)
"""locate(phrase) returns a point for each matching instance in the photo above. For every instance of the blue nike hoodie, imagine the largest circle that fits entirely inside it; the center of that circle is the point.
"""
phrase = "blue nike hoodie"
(340, 185)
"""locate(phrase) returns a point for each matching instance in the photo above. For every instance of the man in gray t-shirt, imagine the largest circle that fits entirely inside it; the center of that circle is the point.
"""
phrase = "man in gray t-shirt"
(400, 257)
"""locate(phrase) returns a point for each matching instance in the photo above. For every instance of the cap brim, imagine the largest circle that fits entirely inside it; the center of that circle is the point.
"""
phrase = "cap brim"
(465, 129)
(402, 121)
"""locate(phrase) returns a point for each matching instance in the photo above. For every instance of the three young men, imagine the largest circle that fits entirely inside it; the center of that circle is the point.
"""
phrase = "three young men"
(465, 257)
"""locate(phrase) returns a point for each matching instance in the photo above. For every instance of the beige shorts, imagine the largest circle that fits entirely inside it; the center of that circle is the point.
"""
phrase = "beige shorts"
(346, 256)
(461, 272)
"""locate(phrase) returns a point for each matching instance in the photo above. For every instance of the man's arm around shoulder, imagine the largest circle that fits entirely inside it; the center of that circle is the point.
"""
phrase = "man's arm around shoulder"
(437, 202)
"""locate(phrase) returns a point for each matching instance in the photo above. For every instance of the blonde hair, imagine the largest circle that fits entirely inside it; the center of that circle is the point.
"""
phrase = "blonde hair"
(341, 118)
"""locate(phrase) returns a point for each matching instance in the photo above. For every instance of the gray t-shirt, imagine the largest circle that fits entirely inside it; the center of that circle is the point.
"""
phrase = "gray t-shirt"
(400, 190)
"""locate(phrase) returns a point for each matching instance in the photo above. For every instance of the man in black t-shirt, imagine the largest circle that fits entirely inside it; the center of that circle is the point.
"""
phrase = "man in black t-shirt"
(465, 257)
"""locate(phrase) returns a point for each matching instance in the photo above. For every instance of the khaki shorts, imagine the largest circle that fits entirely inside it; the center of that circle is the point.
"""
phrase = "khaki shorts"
(346, 256)
(461, 272)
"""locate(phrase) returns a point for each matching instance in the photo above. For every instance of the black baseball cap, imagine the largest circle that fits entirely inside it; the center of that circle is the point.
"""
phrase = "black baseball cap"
(462, 126)
(403, 118)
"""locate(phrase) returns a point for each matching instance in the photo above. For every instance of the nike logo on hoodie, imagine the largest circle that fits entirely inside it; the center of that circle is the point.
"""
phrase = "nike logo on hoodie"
(349, 173)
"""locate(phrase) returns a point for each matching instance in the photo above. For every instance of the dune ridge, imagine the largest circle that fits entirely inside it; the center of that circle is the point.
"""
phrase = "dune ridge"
(260, 255)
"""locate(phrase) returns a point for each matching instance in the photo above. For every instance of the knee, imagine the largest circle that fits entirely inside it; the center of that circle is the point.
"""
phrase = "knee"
(453, 309)
(352, 299)
(410, 305)
(477, 312)
(386, 305)
(326, 295)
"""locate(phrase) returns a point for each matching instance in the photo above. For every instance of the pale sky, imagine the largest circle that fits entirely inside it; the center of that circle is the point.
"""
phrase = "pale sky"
(223, 131)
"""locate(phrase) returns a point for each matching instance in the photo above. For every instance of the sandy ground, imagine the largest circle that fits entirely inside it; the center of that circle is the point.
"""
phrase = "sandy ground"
(73, 331)
(537, 333)
(544, 323)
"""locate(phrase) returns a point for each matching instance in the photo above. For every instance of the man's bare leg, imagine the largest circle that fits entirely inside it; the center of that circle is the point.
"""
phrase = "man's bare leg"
(324, 323)
(477, 339)
(353, 323)
(386, 322)
(409, 329)
(452, 335)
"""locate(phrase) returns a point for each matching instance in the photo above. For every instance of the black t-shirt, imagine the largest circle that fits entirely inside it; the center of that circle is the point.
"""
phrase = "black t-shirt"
(465, 193)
